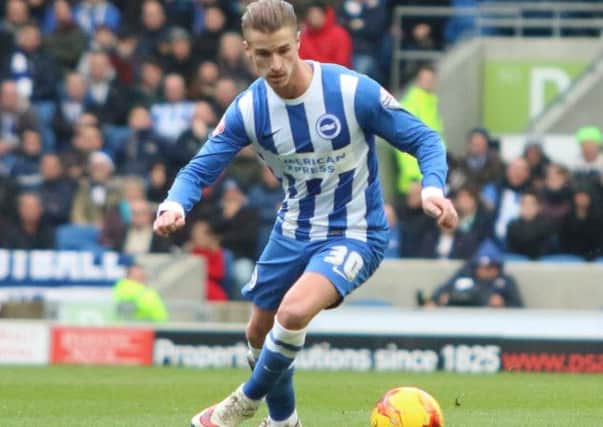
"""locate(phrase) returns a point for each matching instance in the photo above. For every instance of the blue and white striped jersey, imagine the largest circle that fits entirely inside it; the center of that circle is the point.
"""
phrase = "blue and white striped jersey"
(321, 146)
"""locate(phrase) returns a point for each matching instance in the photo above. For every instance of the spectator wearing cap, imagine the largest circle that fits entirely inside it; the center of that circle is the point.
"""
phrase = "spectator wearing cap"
(29, 231)
(531, 234)
(97, 193)
(582, 228)
(322, 38)
(91, 14)
(179, 59)
(172, 116)
(480, 283)
(64, 40)
(590, 162)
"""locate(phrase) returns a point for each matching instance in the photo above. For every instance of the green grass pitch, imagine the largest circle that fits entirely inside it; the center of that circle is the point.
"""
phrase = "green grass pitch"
(168, 397)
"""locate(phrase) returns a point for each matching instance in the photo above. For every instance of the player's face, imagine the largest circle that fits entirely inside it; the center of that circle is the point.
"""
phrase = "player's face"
(274, 55)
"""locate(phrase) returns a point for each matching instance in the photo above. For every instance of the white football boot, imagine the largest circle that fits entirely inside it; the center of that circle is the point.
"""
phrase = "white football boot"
(292, 421)
(230, 412)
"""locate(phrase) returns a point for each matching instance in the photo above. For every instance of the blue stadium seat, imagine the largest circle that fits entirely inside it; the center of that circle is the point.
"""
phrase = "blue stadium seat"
(561, 258)
(78, 237)
(513, 257)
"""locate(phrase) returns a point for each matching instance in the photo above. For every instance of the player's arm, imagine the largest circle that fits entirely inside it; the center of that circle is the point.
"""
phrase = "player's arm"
(202, 170)
(380, 114)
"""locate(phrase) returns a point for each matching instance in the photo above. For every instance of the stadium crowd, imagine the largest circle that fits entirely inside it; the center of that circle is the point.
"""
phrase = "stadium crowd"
(102, 102)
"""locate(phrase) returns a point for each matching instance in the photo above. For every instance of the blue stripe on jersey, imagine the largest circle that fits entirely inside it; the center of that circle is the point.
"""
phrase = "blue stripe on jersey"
(375, 215)
(306, 209)
(343, 195)
(291, 192)
(333, 98)
(299, 128)
(262, 118)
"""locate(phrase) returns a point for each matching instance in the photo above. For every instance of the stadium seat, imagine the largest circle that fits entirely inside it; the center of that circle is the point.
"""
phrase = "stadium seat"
(513, 257)
(78, 237)
(561, 258)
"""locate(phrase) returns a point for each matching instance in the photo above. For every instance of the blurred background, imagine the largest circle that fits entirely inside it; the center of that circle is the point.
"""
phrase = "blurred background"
(102, 102)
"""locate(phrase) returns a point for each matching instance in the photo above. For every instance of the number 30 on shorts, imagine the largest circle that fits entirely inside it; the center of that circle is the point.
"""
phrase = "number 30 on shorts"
(350, 261)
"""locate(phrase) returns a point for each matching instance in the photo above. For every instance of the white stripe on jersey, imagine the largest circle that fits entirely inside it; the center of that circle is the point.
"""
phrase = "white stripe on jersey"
(356, 209)
(282, 136)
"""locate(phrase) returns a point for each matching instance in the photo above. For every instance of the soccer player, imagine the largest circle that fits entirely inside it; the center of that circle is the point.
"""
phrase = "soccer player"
(314, 125)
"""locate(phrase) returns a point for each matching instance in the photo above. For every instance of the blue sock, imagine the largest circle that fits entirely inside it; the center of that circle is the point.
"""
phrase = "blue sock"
(281, 399)
(279, 351)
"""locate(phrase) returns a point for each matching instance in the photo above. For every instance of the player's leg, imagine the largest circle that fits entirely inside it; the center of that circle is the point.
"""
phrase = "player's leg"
(281, 399)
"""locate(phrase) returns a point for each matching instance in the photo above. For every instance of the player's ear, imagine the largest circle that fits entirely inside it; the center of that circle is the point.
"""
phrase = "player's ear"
(298, 39)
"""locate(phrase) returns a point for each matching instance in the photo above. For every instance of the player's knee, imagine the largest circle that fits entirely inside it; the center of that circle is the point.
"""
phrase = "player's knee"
(293, 317)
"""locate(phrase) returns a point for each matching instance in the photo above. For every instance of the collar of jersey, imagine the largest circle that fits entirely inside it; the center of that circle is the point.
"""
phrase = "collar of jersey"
(316, 73)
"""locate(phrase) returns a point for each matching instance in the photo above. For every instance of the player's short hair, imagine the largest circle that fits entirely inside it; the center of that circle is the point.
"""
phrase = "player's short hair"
(268, 16)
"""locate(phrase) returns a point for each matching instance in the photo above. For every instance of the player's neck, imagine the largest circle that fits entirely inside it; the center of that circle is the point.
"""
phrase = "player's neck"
(299, 82)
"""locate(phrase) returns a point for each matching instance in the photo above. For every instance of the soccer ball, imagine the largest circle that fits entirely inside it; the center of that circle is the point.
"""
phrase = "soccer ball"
(407, 407)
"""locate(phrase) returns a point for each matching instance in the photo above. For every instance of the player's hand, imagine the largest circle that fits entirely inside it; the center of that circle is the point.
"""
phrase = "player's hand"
(443, 210)
(167, 222)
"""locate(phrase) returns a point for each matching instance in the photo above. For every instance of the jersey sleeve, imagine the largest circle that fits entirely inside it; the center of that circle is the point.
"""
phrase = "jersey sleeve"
(225, 142)
(380, 114)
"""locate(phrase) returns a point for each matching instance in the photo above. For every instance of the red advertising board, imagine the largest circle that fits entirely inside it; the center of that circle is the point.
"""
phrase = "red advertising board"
(102, 346)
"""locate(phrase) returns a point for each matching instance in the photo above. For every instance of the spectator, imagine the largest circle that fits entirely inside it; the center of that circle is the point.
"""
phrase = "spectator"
(266, 197)
(556, 194)
(56, 191)
(171, 117)
(15, 117)
(239, 230)
(414, 224)
(26, 167)
(480, 166)
(16, 15)
(582, 228)
(33, 70)
(422, 101)
(206, 43)
(29, 231)
(158, 183)
(106, 97)
(203, 86)
(97, 194)
(245, 169)
(154, 30)
(8, 190)
(70, 106)
(136, 300)
(590, 163)
(205, 243)
(531, 234)
(192, 139)
(124, 56)
(148, 90)
(118, 218)
(474, 227)
(517, 180)
(393, 247)
(138, 237)
(481, 283)
(538, 162)
(226, 92)
(365, 21)
(142, 148)
(232, 60)
(322, 39)
(179, 58)
(421, 38)
(92, 14)
(87, 140)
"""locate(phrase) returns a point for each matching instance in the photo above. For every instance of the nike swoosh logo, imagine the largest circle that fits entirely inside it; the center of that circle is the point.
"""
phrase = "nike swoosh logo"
(271, 134)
